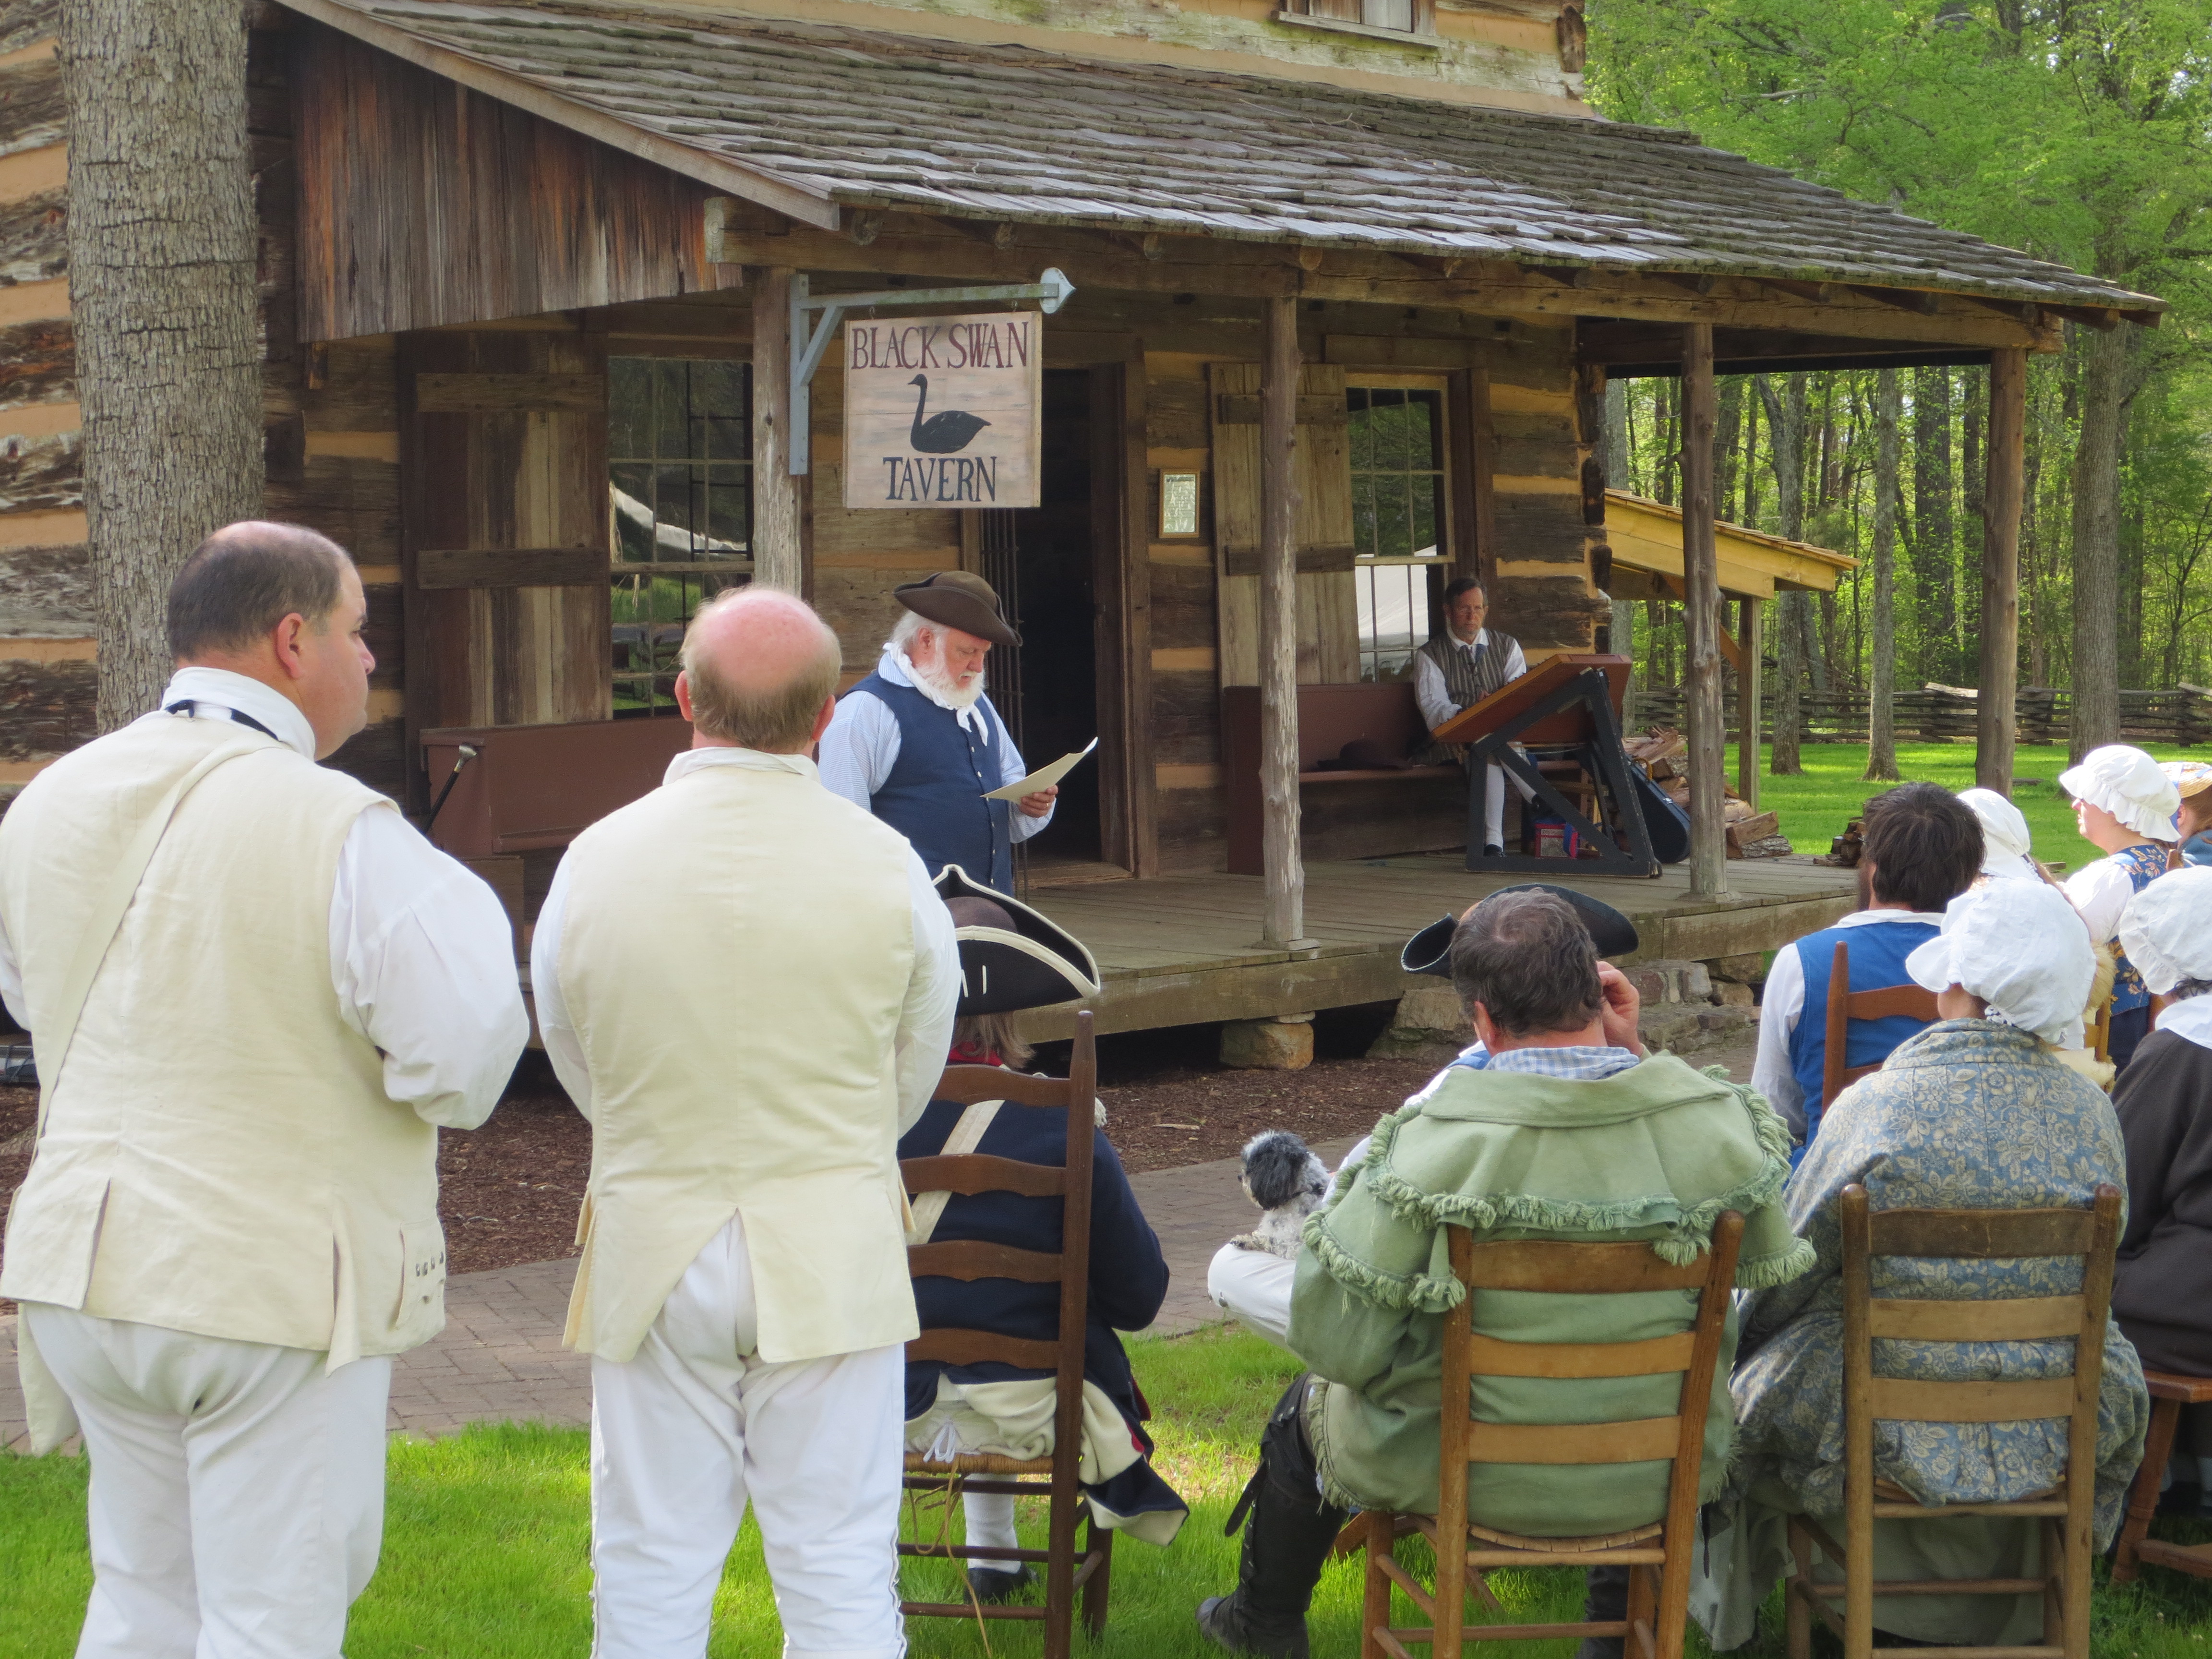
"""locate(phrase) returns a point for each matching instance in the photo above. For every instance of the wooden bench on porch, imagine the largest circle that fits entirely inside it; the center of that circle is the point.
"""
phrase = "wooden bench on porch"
(1364, 812)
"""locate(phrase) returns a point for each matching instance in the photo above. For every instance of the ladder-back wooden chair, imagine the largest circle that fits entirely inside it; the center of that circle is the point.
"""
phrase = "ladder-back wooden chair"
(2169, 1392)
(2065, 1511)
(1052, 1478)
(1657, 1556)
(1846, 1005)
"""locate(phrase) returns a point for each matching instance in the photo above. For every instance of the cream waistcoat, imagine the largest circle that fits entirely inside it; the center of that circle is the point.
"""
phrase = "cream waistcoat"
(219, 1155)
(735, 952)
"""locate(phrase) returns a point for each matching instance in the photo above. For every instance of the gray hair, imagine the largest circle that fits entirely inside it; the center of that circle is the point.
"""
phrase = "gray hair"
(775, 720)
(247, 577)
(910, 623)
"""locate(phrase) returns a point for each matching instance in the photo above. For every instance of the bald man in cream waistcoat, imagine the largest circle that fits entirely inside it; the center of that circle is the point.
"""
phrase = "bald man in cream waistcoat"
(254, 992)
(747, 984)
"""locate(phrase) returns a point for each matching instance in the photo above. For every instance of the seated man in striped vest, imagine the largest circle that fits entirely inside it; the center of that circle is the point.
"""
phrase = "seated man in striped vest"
(1457, 670)
(1923, 848)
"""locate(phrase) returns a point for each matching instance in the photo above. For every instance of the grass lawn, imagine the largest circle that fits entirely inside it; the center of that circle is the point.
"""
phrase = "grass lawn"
(486, 1535)
(1814, 807)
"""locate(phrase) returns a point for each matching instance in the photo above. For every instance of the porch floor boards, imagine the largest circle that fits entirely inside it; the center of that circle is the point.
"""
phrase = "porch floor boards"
(1185, 949)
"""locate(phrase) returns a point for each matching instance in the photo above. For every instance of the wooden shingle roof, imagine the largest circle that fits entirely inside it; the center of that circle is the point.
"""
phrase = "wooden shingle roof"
(858, 119)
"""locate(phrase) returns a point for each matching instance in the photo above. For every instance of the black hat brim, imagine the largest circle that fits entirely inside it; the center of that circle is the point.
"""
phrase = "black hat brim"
(1038, 965)
(1429, 952)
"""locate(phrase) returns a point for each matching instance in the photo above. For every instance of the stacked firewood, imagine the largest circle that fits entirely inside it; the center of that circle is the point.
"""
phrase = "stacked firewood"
(1662, 753)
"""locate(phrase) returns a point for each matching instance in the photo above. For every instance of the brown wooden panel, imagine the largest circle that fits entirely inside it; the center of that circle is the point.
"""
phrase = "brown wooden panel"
(1646, 1440)
(45, 708)
(495, 394)
(37, 362)
(1193, 828)
(980, 1172)
(1650, 1357)
(967, 1085)
(955, 1347)
(1315, 408)
(1547, 527)
(1546, 613)
(1186, 719)
(509, 567)
(2016, 1319)
(506, 481)
(1183, 605)
(354, 502)
(1897, 1400)
(1244, 560)
(1972, 1233)
(46, 592)
(39, 475)
(423, 204)
(32, 115)
(33, 244)
(1534, 446)
(970, 1259)
(1174, 414)
(377, 754)
(1587, 1269)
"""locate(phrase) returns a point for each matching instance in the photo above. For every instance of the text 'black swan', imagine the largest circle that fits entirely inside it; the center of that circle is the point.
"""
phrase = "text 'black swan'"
(945, 433)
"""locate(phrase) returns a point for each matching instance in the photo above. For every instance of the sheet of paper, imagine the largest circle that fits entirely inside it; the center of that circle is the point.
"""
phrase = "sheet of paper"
(1043, 778)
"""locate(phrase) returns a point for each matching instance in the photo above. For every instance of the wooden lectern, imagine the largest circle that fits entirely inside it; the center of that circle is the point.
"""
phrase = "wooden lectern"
(1568, 702)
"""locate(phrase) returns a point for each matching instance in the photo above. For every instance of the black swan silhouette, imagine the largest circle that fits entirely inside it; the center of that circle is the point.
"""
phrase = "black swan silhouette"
(945, 433)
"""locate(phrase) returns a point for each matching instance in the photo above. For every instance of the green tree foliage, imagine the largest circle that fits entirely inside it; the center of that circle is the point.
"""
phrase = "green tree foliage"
(2081, 133)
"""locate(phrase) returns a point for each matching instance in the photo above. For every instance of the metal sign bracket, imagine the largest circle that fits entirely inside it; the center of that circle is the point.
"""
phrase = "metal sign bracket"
(810, 341)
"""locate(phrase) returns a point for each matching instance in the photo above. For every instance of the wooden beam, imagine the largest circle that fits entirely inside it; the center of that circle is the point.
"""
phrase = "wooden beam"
(717, 172)
(1748, 689)
(1905, 299)
(922, 245)
(1701, 614)
(1283, 863)
(777, 557)
(510, 566)
(1731, 652)
(1994, 717)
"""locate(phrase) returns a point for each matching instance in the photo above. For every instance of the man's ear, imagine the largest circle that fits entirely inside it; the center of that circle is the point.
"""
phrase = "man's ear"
(683, 695)
(824, 716)
(1486, 1028)
(289, 639)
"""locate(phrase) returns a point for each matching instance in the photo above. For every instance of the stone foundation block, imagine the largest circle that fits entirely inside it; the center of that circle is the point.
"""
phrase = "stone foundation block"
(1670, 980)
(1749, 969)
(1430, 1025)
(1733, 994)
(1268, 1045)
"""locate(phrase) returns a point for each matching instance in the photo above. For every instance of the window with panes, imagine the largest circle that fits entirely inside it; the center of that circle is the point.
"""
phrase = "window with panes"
(680, 453)
(1397, 445)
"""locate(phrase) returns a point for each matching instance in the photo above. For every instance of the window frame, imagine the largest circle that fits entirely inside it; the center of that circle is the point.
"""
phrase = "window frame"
(1440, 385)
(688, 351)
(1299, 14)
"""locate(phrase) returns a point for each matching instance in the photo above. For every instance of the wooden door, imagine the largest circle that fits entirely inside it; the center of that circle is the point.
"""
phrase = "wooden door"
(1328, 608)
(504, 530)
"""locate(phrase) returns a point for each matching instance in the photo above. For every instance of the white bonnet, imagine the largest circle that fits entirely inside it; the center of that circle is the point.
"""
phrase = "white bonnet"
(2022, 950)
(2129, 785)
(2004, 835)
(2166, 929)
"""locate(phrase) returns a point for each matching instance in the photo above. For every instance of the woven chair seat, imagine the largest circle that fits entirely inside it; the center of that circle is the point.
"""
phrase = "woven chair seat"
(978, 1463)
(1514, 1540)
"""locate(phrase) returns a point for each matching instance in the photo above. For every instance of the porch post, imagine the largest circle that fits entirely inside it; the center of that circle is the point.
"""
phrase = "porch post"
(1282, 863)
(775, 546)
(1995, 718)
(1701, 612)
(1747, 704)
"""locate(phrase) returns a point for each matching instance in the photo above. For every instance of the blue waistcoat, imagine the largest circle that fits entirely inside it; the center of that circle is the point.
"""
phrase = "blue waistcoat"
(2144, 864)
(1878, 954)
(934, 795)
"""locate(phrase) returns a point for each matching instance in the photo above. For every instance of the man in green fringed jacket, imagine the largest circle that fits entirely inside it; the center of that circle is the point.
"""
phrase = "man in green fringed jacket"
(1564, 1129)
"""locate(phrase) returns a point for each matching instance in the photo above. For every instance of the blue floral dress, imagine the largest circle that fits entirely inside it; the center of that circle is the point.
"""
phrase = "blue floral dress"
(1967, 1115)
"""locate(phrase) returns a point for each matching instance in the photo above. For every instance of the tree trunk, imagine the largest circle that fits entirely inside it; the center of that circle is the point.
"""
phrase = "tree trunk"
(776, 545)
(1727, 441)
(1997, 716)
(1662, 482)
(1934, 555)
(1786, 424)
(1750, 519)
(2096, 546)
(161, 247)
(1617, 477)
(1973, 390)
(1882, 680)
(1282, 860)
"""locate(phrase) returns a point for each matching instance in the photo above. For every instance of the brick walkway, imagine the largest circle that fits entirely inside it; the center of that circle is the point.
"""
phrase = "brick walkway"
(500, 1356)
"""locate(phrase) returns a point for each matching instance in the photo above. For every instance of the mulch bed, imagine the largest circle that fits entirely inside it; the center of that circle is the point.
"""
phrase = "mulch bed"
(509, 1191)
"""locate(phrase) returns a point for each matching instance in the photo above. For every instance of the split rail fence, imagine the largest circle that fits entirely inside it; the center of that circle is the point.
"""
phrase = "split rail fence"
(2181, 716)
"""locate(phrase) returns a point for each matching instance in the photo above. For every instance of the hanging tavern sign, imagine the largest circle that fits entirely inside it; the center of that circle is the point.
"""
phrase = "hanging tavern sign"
(942, 411)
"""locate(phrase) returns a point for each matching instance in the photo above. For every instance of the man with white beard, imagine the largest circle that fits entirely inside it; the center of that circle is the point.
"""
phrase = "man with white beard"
(918, 744)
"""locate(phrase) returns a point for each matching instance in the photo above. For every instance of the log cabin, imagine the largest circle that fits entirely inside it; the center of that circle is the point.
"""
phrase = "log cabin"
(1349, 279)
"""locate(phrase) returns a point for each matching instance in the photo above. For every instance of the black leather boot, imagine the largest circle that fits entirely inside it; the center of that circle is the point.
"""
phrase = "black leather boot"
(1288, 1533)
(1606, 1600)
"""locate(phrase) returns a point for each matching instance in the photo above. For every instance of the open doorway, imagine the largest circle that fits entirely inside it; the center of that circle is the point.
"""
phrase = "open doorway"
(1056, 564)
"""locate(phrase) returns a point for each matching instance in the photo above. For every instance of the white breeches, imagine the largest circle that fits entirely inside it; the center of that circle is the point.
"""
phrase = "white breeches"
(697, 1423)
(1254, 1286)
(237, 1497)
(1493, 804)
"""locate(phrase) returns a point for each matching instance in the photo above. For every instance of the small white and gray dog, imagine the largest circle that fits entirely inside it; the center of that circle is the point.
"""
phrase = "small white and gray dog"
(1288, 1183)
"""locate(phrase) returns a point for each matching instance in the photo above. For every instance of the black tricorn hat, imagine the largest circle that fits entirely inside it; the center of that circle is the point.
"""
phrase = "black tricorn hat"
(1429, 952)
(1037, 965)
(961, 599)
